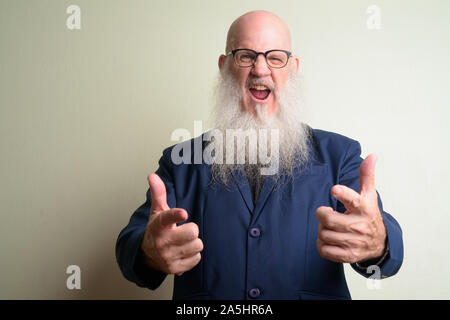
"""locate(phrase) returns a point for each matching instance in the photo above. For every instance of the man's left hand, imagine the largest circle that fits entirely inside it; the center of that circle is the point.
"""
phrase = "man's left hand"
(359, 234)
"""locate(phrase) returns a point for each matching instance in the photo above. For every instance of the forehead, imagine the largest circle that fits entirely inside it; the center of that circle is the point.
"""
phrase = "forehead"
(260, 35)
(260, 41)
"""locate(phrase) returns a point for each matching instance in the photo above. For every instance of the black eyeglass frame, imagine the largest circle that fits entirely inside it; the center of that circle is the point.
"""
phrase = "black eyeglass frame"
(233, 52)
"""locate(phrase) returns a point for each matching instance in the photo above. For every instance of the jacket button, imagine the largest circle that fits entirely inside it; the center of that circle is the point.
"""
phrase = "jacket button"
(255, 232)
(254, 293)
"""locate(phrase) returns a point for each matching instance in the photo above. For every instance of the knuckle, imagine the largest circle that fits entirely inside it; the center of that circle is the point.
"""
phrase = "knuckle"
(196, 230)
(355, 202)
(193, 261)
(165, 255)
(193, 230)
(320, 214)
(352, 256)
(319, 210)
(352, 243)
(354, 259)
(182, 251)
(200, 245)
(361, 228)
(323, 235)
(320, 234)
(329, 222)
(159, 245)
(366, 230)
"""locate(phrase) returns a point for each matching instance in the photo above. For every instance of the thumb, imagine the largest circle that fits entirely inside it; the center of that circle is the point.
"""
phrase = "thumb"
(158, 193)
(367, 174)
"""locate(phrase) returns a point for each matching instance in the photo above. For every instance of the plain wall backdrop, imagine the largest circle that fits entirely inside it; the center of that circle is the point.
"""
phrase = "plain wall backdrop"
(85, 115)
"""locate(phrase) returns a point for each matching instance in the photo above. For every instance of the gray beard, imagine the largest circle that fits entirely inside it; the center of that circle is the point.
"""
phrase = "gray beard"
(292, 150)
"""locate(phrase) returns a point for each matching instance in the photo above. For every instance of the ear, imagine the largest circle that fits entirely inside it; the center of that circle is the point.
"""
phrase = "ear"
(221, 61)
(297, 63)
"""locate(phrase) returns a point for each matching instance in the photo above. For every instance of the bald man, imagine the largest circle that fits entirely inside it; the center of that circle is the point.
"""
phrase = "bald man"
(273, 217)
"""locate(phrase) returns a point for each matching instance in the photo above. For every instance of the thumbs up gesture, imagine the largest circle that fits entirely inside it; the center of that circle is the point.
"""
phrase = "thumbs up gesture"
(359, 234)
(167, 247)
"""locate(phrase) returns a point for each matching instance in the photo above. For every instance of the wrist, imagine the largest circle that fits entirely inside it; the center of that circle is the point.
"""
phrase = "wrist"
(377, 261)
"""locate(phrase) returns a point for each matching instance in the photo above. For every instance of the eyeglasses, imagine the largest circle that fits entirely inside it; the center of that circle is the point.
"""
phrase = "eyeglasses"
(247, 57)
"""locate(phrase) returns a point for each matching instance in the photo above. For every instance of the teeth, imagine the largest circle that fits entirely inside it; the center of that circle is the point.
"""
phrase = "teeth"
(259, 87)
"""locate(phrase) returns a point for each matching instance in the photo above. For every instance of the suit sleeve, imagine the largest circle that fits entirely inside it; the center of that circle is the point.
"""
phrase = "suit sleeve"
(129, 255)
(349, 176)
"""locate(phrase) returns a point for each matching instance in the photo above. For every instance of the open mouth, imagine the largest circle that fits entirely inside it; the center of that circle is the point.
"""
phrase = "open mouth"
(259, 91)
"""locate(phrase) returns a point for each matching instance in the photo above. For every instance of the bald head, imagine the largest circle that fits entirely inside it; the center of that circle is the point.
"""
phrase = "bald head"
(260, 28)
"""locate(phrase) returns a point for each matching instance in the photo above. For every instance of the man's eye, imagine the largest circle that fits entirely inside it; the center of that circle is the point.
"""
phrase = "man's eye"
(276, 58)
(247, 57)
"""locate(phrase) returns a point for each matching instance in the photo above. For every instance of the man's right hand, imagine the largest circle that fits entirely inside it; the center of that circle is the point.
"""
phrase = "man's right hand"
(167, 247)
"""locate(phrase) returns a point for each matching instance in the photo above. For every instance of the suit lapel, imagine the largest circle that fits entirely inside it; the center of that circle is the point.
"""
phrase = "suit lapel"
(244, 188)
(266, 189)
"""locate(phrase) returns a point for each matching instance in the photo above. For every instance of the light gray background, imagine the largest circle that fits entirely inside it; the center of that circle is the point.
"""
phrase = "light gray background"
(85, 114)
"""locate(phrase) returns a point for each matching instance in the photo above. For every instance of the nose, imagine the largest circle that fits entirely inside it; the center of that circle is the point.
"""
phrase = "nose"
(260, 69)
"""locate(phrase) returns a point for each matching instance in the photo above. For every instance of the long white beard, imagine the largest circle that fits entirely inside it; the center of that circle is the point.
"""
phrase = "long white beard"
(287, 121)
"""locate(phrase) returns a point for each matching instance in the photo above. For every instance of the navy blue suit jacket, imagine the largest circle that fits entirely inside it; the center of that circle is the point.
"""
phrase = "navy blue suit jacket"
(265, 250)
